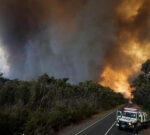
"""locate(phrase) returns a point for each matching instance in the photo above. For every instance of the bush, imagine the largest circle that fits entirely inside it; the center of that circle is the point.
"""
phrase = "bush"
(41, 106)
(141, 85)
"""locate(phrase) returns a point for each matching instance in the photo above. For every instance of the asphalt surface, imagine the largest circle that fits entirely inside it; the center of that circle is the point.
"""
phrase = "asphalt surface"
(105, 126)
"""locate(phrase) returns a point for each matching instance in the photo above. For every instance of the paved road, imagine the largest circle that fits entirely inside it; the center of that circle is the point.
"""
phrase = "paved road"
(105, 126)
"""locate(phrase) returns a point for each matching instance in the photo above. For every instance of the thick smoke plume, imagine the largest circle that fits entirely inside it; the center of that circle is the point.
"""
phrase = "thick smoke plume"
(103, 40)
(124, 59)
(66, 38)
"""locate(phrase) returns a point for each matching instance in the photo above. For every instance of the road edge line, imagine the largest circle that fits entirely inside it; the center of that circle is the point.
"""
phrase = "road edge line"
(110, 128)
(94, 123)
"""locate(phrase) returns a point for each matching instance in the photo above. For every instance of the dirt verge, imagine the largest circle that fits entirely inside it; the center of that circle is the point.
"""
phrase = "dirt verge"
(75, 128)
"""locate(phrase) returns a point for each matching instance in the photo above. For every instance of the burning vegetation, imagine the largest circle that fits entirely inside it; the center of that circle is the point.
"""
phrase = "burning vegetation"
(132, 46)
(105, 40)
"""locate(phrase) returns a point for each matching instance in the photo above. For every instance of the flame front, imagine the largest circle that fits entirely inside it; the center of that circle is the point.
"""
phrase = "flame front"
(131, 51)
(117, 80)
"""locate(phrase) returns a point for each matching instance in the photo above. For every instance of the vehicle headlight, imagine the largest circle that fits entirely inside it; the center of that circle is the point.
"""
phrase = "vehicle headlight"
(118, 121)
(130, 123)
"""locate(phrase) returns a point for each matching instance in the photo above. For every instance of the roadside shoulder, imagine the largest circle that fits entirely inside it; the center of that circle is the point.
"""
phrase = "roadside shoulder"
(75, 128)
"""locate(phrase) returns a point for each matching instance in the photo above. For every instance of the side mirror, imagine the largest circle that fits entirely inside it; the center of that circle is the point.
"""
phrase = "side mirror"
(119, 114)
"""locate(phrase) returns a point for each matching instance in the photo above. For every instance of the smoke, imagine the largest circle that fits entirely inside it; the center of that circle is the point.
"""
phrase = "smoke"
(66, 38)
(124, 59)
(102, 40)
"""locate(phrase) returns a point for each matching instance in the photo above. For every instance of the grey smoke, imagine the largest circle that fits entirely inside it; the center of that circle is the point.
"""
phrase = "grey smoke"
(38, 41)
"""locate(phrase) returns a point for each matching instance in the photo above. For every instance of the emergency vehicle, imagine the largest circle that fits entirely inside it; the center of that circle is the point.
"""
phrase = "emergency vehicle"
(131, 118)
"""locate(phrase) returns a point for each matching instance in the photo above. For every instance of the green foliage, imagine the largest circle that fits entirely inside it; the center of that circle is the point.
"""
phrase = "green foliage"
(142, 87)
(45, 105)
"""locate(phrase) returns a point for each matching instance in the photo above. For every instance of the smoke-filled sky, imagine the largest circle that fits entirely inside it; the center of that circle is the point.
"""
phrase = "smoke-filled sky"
(102, 40)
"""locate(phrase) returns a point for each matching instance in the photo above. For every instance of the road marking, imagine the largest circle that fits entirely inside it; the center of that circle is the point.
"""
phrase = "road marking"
(94, 123)
(110, 128)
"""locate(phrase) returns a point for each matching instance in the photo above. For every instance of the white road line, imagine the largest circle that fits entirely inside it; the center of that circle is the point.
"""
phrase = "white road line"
(94, 123)
(110, 128)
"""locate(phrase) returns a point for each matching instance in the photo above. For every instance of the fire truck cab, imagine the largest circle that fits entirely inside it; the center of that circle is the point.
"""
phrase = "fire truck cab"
(130, 118)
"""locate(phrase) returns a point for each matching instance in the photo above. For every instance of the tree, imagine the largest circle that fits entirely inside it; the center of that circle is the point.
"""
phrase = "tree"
(141, 84)
(146, 67)
(47, 104)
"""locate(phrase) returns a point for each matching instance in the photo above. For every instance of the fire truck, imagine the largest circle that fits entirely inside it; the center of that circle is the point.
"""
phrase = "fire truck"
(131, 118)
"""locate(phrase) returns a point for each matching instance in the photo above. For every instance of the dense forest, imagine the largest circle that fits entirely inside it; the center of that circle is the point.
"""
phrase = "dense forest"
(141, 84)
(45, 105)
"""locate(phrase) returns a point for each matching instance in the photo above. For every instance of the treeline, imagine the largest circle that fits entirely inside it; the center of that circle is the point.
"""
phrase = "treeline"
(43, 106)
(141, 84)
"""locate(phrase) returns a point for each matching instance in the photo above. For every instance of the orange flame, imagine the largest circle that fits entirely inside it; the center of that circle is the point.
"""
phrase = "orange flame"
(136, 53)
(118, 79)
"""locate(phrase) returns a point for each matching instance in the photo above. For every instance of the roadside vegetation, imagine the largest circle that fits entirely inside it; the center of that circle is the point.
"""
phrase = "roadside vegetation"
(45, 105)
(141, 84)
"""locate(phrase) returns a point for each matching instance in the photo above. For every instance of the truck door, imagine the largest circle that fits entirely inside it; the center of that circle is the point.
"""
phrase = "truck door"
(140, 118)
(144, 117)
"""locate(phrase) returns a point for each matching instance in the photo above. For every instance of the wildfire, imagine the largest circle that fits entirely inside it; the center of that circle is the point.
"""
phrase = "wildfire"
(118, 80)
(130, 47)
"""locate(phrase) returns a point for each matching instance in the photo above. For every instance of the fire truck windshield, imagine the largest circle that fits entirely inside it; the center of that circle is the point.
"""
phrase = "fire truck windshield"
(129, 114)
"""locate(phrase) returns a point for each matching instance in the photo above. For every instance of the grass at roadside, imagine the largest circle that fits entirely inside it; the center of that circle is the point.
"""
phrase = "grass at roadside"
(75, 128)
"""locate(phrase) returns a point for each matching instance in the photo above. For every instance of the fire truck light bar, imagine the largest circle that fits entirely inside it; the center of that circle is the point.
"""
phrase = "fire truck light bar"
(130, 109)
